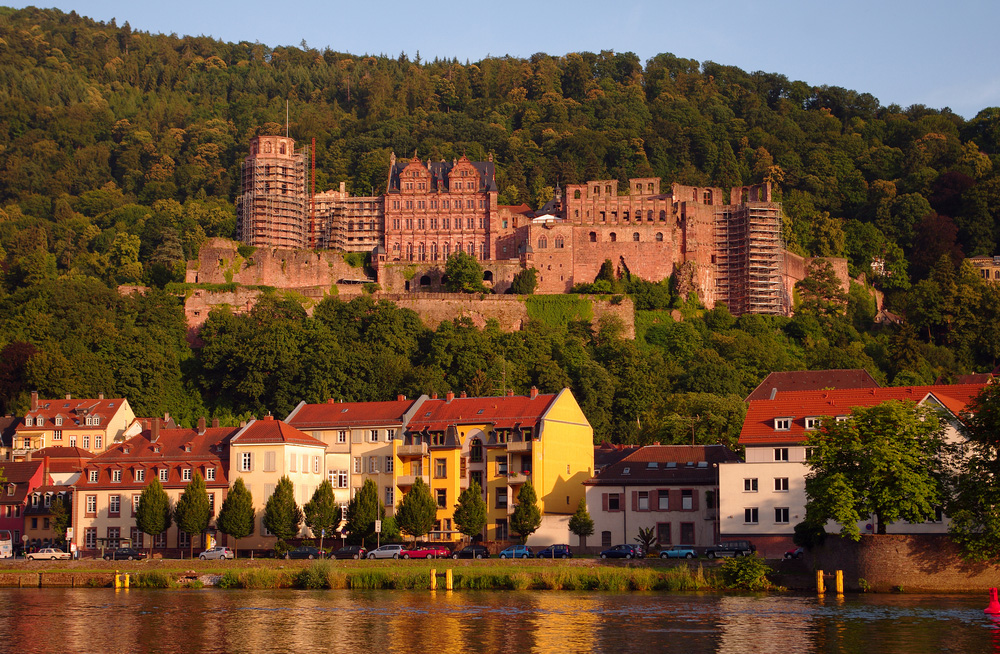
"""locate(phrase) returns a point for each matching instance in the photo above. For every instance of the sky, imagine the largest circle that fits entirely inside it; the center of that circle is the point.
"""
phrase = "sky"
(905, 52)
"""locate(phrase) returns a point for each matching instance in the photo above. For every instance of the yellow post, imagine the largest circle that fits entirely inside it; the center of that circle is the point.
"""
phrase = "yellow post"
(447, 579)
(118, 580)
(820, 588)
(126, 581)
(434, 579)
(840, 582)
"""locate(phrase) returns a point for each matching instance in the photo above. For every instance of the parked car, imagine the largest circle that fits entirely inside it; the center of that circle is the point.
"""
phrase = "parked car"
(622, 552)
(124, 554)
(679, 552)
(426, 552)
(730, 548)
(304, 552)
(472, 552)
(555, 552)
(393, 551)
(48, 554)
(517, 552)
(795, 553)
(350, 552)
(217, 553)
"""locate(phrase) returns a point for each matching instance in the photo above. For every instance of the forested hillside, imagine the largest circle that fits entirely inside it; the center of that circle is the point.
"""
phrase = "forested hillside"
(120, 154)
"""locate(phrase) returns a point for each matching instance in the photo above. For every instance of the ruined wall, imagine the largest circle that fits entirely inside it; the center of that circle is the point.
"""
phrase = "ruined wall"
(426, 276)
(797, 267)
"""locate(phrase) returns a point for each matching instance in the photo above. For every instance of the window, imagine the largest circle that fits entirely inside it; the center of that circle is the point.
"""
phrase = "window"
(57, 435)
(90, 538)
(160, 540)
(86, 442)
(140, 475)
(29, 421)
(605, 539)
(164, 474)
(116, 475)
(184, 539)
(501, 528)
(316, 465)
(440, 468)
(663, 500)
(373, 464)
(98, 440)
(441, 495)
(186, 475)
(246, 461)
(501, 465)
(781, 515)
(643, 501)
(305, 463)
(635, 236)
(782, 424)
(437, 439)
(750, 516)
(476, 451)
(92, 476)
(614, 502)
(781, 484)
(781, 454)
(750, 485)
(341, 479)
(211, 503)
(209, 474)
(687, 500)
(357, 465)
(114, 504)
(135, 503)
(341, 436)
(72, 440)
(501, 498)
(270, 462)
(687, 533)
(388, 463)
(812, 423)
(136, 537)
(373, 436)
(291, 463)
(389, 496)
(663, 533)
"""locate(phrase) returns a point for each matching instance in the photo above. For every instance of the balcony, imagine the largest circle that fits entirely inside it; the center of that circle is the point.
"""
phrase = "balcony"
(519, 446)
(405, 481)
(517, 478)
(417, 450)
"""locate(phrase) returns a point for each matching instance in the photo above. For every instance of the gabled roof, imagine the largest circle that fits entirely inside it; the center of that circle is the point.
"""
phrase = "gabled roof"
(666, 465)
(759, 428)
(606, 454)
(20, 474)
(269, 430)
(505, 412)
(344, 415)
(811, 380)
(73, 412)
(63, 459)
(439, 171)
(8, 425)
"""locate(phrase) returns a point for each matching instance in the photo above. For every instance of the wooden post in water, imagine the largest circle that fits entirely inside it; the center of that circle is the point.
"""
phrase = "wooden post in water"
(840, 582)
(820, 588)
(434, 579)
(447, 579)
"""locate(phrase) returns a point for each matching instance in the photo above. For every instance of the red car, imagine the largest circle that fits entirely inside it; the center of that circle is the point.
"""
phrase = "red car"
(426, 552)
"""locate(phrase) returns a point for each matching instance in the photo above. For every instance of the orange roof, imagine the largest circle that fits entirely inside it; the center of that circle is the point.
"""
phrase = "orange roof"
(759, 427)
(333, 415)
(73, 412)
(269, 430)
(812, 380)
(502, 412)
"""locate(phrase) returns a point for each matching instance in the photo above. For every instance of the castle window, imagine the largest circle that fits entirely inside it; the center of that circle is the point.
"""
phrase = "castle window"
(635, 236)
(593, 237)
(576, 195)
(542, 243)
(663, 215)
(597, 190)
(425, 281)
(267, 147)
(649, 216)
(659, 236)
(350, 226)
(559, 242)
(707, 197)
(614, 237)
(281, 148)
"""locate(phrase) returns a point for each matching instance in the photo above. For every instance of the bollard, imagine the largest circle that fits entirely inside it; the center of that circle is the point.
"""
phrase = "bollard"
(126, 581)
(840, 582)
(434, 579)
(118, 580)
(994, 607)
(447, 579)
(820, 588)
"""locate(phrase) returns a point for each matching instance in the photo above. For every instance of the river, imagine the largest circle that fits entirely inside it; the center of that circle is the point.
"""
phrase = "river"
(103, 621)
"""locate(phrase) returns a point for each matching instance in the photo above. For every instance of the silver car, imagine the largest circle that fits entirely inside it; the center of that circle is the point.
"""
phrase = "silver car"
(217, 553)
(387, 552)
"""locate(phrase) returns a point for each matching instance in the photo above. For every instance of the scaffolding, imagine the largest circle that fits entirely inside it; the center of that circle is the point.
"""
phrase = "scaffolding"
(273, 208)
(750, 258)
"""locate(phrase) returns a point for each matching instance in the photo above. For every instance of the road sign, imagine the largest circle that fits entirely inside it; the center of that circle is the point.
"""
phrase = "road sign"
(378, 526)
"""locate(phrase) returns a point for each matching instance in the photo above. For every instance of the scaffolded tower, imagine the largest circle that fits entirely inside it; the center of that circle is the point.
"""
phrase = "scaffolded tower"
(750, 253)
(274, 208)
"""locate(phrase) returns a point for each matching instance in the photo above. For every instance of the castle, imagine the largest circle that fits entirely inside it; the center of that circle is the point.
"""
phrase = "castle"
(727, 249)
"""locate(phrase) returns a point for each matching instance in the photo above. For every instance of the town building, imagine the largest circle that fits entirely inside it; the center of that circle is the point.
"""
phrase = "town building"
(90, 424)
(672, 489)
(20, 481)
(763, 498)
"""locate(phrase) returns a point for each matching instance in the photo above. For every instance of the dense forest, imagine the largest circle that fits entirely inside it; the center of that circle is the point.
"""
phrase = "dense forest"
(120, 155)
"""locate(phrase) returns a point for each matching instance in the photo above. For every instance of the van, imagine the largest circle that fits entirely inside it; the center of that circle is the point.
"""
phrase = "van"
(731, 548)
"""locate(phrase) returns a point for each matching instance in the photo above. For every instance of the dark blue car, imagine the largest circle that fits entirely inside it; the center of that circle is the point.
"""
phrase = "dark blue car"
(622, 552)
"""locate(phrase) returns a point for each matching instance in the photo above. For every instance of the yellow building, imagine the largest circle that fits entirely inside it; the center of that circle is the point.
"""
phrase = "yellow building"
(264, 451)
(501, 443)
(91, 424)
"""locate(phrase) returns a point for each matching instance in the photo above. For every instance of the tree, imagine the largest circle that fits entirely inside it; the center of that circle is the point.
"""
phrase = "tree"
(973, 508)
(62, 514)
(885, 460)
(646, 538)
(465, 275)
(282, 516)
(417, 510)
(152, 516)
(524, 282)
(237, 517)
(581, 523)
(470, 511)
(322, 511)
(362, 512)
(193, 513)
(527, 517)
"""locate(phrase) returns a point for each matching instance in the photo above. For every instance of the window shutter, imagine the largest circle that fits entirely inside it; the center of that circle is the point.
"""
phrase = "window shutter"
(675, 499)
(694, 500)
(604, 502)
(635, 500)
(251, 461)
(654, 500)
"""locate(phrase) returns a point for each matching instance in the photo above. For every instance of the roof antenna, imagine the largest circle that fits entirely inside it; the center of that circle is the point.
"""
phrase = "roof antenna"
(286, 118)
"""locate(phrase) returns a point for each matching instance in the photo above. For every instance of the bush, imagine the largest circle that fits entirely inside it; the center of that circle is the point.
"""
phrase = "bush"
(316, 577)
(153, 579)
(746, 573)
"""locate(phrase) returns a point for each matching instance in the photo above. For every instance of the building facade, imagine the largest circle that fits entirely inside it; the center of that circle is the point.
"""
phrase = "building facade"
(273, 208)
(348, 223)
(90, 424)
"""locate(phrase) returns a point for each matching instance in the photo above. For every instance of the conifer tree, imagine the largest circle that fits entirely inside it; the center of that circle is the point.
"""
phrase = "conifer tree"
(417, 510)
(282, 516)
(237, 517)
(470, 512)
(581, 523)
(193, 513)
(527, 517)
(362, 512)
(153, 515)
(322, 511)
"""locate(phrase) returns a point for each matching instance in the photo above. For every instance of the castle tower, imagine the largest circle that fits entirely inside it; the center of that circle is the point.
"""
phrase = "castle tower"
(273, 209)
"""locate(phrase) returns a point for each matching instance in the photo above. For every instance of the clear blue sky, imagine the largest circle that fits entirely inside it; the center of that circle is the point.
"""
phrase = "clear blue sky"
(941, 54)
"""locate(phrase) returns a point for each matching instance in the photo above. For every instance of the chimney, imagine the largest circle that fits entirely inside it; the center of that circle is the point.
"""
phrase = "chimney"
(100, 396)
(156, 430)
(68, 396)
(400, 398)
(45, 471)
(34, 400)
(463, 394)
(166, 418)
(330, 401)
(343, 187)
(449, 396)
(434, 396)
(269, 417)
(534, 392)
(201, 425)
(215, 423)
(510, 393)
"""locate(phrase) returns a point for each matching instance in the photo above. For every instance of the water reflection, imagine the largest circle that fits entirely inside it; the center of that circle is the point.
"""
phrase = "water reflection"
(78, 620)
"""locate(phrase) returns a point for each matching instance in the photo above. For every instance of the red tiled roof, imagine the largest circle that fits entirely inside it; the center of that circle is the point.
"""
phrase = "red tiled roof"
(349, 414)
(503, 412)
(73, 412)
(269, 430)
(812, 380)
(62, 452)
(20, 474)
(666, 464)
(758, 427)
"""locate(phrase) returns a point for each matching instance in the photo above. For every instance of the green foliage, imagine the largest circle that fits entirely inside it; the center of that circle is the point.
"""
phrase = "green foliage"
(746, 573)
(581, 523)
(153, 579)
(282, 516)
(470, 511)
(357, 259)
(192, 512)
(527, 517)
(885, 460)
(62, 514)
(245, 251)
(646, 538)
(417, 510)
(237, 517)
(808, 535)
(465, 274)
(524, 282)
(559, 310)
(973, 509)
(322, 512)
(153, 515)
(362, 512)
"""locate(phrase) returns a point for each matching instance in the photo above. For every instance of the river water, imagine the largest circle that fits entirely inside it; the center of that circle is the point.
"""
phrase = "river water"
(103, 621)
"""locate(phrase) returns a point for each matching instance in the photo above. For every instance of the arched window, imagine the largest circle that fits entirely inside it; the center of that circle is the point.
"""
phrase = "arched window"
(576, 195)
(476, 451)
(488, 276)
(707, 196)
(593, 237)
(542, 243)
(663, 215)
(409, 251)
(422, 251)
(559, 242)
(614, 237)
(267, 147)
(745, 196)
(649, 217)
(694, 195)
(281, 148)
(635, 236)
(425, 281)
(446, 250)
(659, 236)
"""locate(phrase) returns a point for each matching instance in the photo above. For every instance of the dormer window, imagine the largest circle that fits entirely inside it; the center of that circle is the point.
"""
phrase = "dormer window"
(626, 471)
(187, 447)
(841, 418)
(186, 475)
(812, 423)
(782, 424)
(140, 475)
(92, 476)
(59, 421)
(29, 421)
(10, 489)
(48, 499)
(87, 421)
(97, 420)
(39, 421)
(652, 465)
(210, 474)
(116, 475)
